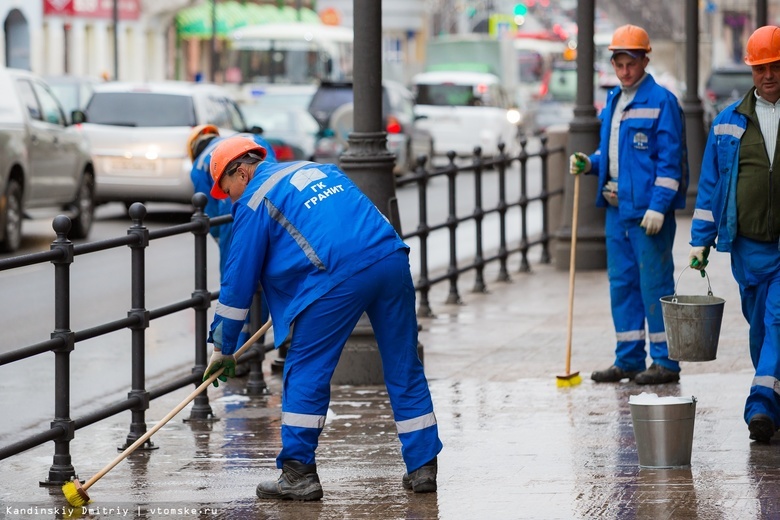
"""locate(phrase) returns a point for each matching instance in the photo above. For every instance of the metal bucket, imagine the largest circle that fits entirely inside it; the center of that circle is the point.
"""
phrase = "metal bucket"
(692, 324)
(663, 429)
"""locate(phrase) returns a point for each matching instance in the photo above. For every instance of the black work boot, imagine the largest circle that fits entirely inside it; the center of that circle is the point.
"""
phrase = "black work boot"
(657, 375)
(423, 479)
(613, 374)
(297, 482)
(762, 428)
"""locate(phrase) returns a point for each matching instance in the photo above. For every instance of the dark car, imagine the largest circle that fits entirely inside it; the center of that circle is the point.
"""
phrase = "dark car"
(331, 106)
(724, 86)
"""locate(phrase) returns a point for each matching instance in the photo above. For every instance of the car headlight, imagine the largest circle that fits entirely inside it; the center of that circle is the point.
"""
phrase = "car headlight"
(514, 116)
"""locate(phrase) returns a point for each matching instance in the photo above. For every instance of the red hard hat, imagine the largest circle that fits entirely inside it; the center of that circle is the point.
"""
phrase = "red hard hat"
(225, 153)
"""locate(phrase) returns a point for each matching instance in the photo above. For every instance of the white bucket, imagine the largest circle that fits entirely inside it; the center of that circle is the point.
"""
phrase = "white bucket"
(663, 428)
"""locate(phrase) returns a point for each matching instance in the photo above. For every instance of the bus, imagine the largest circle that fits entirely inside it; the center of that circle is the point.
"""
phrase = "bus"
(288, 53)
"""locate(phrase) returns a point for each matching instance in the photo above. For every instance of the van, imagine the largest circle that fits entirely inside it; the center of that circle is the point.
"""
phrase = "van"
(463, 110)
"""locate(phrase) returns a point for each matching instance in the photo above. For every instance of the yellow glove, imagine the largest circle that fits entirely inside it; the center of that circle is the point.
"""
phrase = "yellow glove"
(652, 222)
(579, 163)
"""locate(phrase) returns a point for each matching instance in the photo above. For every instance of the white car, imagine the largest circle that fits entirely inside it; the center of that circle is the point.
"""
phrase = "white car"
(463, 110)
(138, 133)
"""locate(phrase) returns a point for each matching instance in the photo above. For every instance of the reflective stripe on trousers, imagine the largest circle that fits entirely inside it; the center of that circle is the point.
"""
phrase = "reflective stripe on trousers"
(385, 292)
(640, 270)
(756, 268)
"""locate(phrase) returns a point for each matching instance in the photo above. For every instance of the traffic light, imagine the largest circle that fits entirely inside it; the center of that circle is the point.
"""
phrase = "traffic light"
(520, 11)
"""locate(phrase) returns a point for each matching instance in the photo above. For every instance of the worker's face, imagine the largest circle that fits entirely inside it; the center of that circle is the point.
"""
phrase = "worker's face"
(234, 185)
(766, 78)
(629, 70)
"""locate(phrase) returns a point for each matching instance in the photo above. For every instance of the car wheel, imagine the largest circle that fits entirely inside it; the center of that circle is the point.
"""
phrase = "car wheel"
(11, 218)
(84, 207)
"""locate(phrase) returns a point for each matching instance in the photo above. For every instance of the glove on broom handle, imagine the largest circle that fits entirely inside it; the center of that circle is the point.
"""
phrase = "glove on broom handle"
(130, 449)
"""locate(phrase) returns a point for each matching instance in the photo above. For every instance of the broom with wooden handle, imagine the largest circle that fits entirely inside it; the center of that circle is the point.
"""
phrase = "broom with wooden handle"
(76, 493)
(569, 378)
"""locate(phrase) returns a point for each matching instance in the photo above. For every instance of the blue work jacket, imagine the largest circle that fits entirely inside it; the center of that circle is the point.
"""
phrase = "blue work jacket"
(715, 215)
(299, 229)
(202, 181)
(653, 169)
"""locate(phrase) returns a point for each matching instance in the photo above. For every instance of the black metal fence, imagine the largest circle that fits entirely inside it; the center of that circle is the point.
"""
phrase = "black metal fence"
(63, 253)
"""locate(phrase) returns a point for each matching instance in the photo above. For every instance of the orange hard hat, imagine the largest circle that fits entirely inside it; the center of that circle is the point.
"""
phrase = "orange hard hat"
(198, 139)
(229, 150)
(630, 38)
(763, 46)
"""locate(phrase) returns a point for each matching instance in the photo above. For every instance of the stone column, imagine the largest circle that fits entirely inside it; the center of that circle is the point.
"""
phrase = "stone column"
(692, 108)
(370, 165)
(583, 137)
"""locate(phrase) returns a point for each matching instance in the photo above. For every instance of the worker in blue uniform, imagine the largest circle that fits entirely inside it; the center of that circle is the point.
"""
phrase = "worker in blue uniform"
(642, 166)
(200, 144)
(324, 255)
(737, 212)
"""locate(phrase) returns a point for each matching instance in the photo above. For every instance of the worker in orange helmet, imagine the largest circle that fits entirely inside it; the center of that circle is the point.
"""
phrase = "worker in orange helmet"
(642, 166)
(200, 145)
(324, 255)
(737, 212)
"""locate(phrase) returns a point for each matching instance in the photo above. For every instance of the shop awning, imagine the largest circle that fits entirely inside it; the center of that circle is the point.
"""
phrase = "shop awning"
(195, 22)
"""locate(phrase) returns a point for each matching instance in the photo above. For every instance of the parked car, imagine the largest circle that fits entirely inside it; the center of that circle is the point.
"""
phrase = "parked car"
(72, 91)
(44, 161)
(138, 133)
(463, 110)
(332, 103)
(724, 86)
(291, 130)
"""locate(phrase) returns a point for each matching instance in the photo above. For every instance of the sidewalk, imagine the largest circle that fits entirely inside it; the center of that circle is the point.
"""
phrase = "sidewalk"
(515, 445)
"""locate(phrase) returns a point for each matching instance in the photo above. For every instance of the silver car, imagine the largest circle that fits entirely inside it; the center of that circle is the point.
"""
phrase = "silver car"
(138, 133)
(44, 161)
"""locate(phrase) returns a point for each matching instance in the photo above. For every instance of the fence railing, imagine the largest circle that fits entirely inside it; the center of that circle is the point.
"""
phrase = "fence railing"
(63, 254)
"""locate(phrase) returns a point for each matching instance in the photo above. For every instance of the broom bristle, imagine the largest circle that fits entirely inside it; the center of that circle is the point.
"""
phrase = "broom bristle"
(570, 380)
(75, 494)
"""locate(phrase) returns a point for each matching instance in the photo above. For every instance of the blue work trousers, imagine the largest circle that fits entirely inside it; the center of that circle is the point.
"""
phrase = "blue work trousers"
(756, 268)
(385, 292)
(640, 270)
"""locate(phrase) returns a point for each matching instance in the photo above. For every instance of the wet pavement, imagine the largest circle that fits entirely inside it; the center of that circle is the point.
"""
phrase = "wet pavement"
(515, 445)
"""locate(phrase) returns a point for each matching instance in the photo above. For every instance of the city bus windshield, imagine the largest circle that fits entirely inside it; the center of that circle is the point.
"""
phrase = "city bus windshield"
(292, 53)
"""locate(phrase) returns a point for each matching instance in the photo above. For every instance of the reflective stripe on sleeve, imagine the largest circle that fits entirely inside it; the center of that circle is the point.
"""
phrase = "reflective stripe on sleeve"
(418, 423)
(301, 420)
(231, 312)
(732, 130)
(630, 335)
(667, 182)
(703, 214)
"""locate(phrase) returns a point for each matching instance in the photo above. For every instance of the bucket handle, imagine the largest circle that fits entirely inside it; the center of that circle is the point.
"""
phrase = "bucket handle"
(709, 287)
